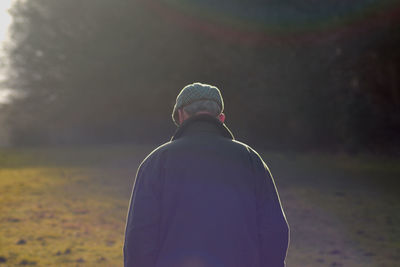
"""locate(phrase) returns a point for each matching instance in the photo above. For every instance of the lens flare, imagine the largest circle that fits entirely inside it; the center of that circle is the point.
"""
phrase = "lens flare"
(256, 21)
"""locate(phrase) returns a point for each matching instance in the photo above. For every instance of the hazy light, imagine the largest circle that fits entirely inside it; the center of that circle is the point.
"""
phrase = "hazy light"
(5, 21)
(5, 96)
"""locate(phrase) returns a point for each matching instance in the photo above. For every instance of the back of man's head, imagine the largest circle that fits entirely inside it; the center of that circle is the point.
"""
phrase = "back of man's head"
(198, 98)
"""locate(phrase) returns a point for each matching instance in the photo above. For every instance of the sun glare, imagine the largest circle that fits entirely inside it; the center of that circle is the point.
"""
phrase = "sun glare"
(5, 19)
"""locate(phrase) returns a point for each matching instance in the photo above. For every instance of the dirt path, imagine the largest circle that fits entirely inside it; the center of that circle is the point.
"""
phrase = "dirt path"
(341, 212)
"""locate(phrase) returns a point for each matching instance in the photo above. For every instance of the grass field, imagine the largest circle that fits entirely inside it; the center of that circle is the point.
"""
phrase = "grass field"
(66, 206)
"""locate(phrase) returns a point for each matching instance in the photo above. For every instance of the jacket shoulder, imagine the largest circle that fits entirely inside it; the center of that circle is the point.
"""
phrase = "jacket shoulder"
(249, 149)
(154, 156)
(255, 157)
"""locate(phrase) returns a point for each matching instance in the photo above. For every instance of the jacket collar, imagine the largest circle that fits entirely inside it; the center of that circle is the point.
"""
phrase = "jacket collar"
(202, 123)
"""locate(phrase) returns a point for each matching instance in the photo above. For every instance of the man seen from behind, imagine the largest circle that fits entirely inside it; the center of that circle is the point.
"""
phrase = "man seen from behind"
(204, 199)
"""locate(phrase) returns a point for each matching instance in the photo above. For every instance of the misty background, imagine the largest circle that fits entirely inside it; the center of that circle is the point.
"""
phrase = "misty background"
(299, 75)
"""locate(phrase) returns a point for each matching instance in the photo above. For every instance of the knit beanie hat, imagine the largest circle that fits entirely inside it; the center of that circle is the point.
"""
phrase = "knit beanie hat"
(195, 92)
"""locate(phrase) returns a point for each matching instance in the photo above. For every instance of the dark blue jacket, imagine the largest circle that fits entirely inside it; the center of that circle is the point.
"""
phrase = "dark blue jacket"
(205, 200)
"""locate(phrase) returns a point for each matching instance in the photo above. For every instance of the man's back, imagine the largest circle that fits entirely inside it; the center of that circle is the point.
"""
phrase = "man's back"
(204, 199)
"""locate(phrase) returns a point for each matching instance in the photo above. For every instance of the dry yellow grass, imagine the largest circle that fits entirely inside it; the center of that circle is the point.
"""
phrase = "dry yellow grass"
(57, 211)
(52, 217)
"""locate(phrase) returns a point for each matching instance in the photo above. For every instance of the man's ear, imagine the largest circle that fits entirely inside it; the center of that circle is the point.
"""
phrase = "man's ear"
(180, 116)
(221, 117)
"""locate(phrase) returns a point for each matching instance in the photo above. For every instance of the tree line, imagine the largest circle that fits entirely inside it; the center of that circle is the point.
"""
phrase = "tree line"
(99, 71)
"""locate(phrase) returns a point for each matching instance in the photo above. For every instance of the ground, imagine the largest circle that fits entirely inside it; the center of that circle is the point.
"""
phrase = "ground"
(66, 206)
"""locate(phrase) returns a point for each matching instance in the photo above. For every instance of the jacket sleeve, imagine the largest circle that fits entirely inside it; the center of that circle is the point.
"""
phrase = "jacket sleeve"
(142, 226)
(272, 225)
